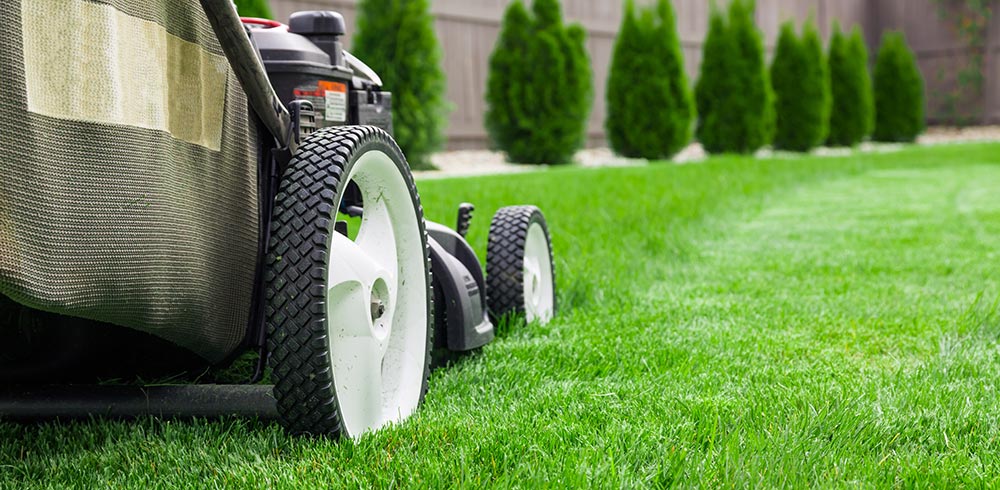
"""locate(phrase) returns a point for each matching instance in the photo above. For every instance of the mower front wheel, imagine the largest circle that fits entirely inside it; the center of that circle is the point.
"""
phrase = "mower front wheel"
(349, 320)
(520, 276)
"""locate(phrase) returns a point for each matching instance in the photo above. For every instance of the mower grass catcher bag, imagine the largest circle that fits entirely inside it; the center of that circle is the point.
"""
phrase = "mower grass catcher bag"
(128, 174)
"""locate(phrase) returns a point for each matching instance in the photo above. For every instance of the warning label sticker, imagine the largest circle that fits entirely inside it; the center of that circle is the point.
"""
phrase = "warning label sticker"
(336, 105)
(329, 99)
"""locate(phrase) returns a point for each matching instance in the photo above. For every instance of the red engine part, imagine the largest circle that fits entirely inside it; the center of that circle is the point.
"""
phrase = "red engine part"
(265, 23)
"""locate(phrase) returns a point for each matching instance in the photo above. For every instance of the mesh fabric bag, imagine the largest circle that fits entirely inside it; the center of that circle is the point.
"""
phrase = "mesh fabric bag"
(128, 180)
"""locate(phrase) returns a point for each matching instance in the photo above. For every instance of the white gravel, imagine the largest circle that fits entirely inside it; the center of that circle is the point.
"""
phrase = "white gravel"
(476, 162)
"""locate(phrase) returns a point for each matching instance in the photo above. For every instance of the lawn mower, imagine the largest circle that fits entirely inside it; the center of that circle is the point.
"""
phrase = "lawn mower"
(183, 187)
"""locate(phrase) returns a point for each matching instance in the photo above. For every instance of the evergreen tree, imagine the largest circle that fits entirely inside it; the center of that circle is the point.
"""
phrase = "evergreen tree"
(581, 83)
(679, 120)
(629, 130)
(858, 50)
(714, 85)
(800, 81)
(819, 70)
(539, 90)
(899, 92)
(504, 122)
(851, 89)
(647, 72)
(757, 101)
(786, 69)
(413, 74)
(735, 101)
(254, 8)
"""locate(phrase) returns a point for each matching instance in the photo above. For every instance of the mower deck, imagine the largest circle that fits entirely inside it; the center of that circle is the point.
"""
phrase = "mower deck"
(28, 404)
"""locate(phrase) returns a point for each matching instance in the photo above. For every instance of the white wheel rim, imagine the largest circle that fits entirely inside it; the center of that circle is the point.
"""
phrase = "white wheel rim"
(377, 303)
(539, 298)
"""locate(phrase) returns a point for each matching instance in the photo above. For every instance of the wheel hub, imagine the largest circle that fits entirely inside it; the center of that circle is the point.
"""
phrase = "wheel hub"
(534, 293)
(380, 301)
(378, 309)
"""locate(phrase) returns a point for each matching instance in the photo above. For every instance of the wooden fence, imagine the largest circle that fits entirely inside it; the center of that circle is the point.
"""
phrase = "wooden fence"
(468, 29)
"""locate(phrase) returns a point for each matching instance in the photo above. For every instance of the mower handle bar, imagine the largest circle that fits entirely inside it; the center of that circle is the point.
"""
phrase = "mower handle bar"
(250, 71)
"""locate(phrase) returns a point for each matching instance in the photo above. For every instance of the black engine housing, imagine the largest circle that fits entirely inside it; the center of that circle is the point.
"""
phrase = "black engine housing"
(307, 61)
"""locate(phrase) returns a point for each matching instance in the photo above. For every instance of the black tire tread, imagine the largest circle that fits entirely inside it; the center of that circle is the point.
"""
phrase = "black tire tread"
(505, 259)
(296, 271)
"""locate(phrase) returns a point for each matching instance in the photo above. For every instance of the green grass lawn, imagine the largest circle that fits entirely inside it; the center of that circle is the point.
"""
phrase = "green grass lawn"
(739, 323)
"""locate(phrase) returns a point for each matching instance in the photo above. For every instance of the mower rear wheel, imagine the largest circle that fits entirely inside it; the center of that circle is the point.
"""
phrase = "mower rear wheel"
(349, 321)
(520, 275)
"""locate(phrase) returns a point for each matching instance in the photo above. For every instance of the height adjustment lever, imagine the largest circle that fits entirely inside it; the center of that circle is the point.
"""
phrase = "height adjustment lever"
(464, 218)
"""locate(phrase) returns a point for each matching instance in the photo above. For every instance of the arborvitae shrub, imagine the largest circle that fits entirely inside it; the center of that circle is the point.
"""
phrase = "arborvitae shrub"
(899, 92)
(397, 39)
(851, 89)
(502, 120)
(802, 97)
(858, 50)
(757, 102)
(539, 91)
(735, 102)
(626, 133)
(786, 70)
(819, 70)
(580, 83)
(650, 108)
(680, 109)
(254, 8)
(714, 85)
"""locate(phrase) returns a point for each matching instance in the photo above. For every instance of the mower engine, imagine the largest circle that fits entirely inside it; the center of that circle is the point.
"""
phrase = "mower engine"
(306, 61)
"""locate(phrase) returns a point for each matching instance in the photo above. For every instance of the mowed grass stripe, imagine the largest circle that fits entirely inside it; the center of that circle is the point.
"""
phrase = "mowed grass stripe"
(861, 322)
(814, 321)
